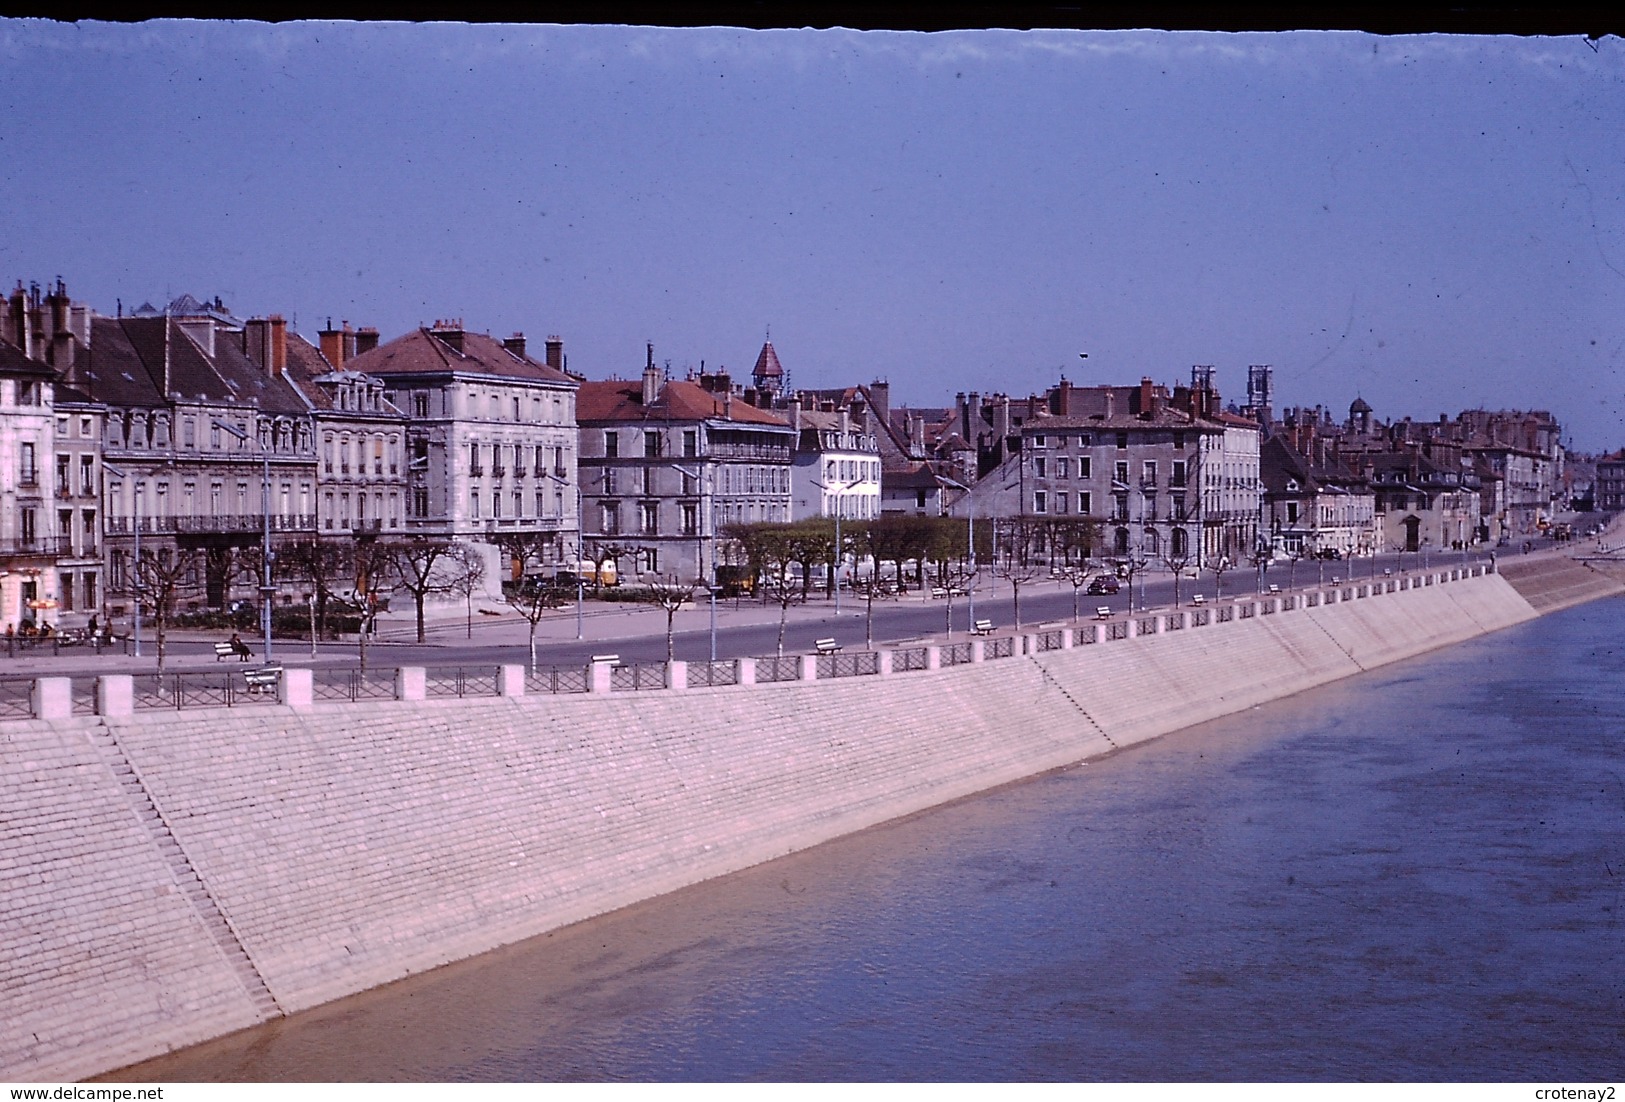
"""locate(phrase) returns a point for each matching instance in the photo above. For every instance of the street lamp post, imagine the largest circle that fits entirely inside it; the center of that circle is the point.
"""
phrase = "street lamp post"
(581, 552)
(840, 553)
(267, 590)
(708, 520)
(970, 539)
(135, 570)
(581, 557)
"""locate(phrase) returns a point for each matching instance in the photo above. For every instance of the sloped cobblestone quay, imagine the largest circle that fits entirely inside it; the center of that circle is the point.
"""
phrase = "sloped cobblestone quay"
(167, 876)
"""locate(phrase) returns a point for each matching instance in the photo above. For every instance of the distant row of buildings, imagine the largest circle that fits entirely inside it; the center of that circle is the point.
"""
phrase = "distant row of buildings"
(188, 428)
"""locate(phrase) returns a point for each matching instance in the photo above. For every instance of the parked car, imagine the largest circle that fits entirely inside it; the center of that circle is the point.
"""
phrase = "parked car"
(1103, 583)
(1331, 553)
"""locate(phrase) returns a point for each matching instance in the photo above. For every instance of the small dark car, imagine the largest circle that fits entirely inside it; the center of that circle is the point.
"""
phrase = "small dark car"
(1103, 583)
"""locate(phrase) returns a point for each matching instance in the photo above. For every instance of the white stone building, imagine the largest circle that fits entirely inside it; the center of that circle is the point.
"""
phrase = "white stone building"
(491, 436)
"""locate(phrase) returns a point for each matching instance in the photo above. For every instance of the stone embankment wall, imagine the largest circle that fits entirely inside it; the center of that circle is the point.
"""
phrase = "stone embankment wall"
(169, 877)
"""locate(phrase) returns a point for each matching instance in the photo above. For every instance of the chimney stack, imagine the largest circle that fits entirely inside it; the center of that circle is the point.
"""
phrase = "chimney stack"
(651, 379)
(333, 344)
(257, 341)
(450, 331)
(555, 353)
(279, 343)
(880, 399)
(1146, 397)
(516, 345)
(16, 319)
(366, 339)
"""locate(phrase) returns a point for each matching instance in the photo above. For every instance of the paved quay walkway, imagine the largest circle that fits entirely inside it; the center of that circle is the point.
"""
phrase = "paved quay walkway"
(498, 625)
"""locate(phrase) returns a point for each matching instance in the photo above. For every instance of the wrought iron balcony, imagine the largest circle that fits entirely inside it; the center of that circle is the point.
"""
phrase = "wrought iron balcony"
(38, 547)
(210, 524)
(524, 524)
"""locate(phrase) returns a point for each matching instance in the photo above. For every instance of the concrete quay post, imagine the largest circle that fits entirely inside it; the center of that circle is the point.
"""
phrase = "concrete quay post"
(1099, 632)
(808, 668)
(295, 689)
(600, 677)
(115, 694)
(677, 676)
(747, 671)
(510, 680)
(1069, 638)
(978, 650)
(411, 683)
(933, 658)
(53, 698)
(883, 662)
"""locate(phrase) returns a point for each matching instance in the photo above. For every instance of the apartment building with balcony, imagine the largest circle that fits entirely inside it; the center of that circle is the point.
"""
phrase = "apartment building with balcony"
(204, 447)
(361, 437)
(1313, 503)
(1165, 473)
(666, 464)
(80, 424)
(490, 436)
(836, 469)
(28, 544)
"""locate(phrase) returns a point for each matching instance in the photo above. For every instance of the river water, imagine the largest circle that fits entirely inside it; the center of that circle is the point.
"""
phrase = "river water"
(1414, 874)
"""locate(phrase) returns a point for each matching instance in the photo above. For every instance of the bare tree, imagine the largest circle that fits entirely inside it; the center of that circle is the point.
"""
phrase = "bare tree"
(1217, 566)
(531, 598)
(1294, 555)
(948, 551)
(1178, 564)
(1077, 575)
(1018, 537)
(374, 564)
(866, 544)
(161, 578)
(416, 565)
(772, 552)
(671, 596)
(328, 565)
(1132, 566)
(463, 569)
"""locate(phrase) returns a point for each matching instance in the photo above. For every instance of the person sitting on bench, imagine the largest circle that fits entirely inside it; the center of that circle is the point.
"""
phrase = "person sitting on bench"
(240, 648)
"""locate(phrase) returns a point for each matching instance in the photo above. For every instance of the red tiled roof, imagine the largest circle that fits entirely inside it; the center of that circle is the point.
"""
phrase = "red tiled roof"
(425, 351)
(679, 400)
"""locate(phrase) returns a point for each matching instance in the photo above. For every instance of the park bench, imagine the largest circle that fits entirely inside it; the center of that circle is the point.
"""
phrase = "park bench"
(1198, 600)
(827, 646)
(611, 659)
(1103, 613)
(1274, 589)
(982, 627)
(262, 680)
(938, 593)
(226, 650)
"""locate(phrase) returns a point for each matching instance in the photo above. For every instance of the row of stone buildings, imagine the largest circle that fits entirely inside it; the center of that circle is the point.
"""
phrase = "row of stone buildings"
(188, 428)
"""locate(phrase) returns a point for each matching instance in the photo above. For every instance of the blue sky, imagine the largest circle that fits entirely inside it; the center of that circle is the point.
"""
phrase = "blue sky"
(1429, 222)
